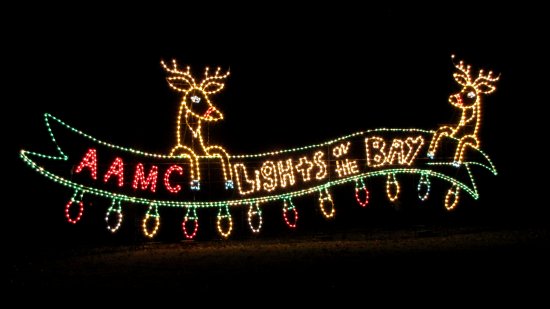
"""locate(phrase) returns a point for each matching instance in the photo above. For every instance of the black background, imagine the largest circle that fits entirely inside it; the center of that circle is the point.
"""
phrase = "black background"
(299, 75)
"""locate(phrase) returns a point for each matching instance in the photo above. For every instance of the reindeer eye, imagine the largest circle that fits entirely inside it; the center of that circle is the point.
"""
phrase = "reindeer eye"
(195, 99)
(471, 95)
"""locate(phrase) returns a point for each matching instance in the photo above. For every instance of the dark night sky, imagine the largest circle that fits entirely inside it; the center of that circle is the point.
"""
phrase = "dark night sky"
(298, 76)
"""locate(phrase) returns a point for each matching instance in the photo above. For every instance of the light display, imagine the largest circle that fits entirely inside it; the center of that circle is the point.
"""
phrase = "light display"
(392, 187)
(452, 197)
(255, 215)
(326, 204)
(224, 218)
(190, 216)
(71, 202)
(424, 185)
(172, 189)
(361, 188)
(196, 108)
(117, 169)
(290, 220)
(468, 100)
(142, 182)
(115, 209)
(151, 215)
(126, 175)
(90, 161)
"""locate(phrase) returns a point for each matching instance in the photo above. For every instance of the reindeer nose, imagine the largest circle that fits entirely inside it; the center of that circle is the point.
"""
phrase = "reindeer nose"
(212, 114)
(456, 99)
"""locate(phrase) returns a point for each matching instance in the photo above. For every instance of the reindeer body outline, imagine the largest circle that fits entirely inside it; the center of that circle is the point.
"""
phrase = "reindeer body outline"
(196, 108)
(469, 101)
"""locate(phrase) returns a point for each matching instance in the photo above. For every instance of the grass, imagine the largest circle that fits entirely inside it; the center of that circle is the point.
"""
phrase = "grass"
(339, 261)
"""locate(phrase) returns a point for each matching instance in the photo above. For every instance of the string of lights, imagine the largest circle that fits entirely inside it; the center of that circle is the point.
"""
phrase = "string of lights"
(288, 207)
(281, 175)
(196, 107)
(424, 186)
(115, 209)
(468, 100)
(152, 213)
(360, 186)
(224, 222)
(190, 216)
(255, 220)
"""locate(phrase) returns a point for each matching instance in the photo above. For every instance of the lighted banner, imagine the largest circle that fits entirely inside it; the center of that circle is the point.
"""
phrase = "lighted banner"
(197, 175)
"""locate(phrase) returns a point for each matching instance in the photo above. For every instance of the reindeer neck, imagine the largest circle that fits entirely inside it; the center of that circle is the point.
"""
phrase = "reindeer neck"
(477, 117)
(193, 137)
(193, 124)
(469, 121)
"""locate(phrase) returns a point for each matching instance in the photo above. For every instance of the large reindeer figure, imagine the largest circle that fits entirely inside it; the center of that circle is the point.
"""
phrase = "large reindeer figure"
(196, 108)
(469, 101)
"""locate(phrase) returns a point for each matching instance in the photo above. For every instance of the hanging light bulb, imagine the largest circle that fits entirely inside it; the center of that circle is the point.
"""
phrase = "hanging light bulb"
(452, 197)
(78, 201)
(360, 186)
(255, 214)
(392, 187)
(190, 216)
(326, 204)
(423, 187)
(224, 215)
(115, 209)
(152, 213)
(288, 207)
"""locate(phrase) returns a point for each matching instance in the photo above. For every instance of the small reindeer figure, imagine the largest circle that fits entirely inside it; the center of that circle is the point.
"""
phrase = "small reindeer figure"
(469, 101)
(196, 108)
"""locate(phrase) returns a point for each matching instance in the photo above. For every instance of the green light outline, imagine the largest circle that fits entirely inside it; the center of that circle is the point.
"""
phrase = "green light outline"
(237, 202)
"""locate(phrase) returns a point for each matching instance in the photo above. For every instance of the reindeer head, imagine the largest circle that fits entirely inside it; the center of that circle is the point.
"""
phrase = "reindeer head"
(196, 99)
(469, 96)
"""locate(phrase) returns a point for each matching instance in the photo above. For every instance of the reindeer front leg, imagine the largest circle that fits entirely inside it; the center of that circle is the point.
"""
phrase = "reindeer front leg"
(186, 152)
(219, 152)
(467, 140)
(445, 130)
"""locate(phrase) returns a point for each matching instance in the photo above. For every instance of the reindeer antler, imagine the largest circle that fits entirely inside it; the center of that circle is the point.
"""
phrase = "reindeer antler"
(183, 81)
(213, 83)
(464, 69)
(217, 75)
(486, 77)
(485, 83)
(174, 69)
(179, 80)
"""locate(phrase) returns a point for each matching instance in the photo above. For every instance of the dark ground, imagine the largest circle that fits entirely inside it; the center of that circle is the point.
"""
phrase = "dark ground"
(480, 257)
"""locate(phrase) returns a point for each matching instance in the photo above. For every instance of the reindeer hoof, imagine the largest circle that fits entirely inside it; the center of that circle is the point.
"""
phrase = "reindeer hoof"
(195, 185)
(430, 155)
(456, 163)
(229, 185)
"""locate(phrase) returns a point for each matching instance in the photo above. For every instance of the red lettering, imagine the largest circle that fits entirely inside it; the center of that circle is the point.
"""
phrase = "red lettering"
(89, 161)
(117, 169)
(143, 182)
(169, 171)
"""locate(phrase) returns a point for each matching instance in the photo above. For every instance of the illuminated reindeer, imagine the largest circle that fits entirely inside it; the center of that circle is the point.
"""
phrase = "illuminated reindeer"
(469, 101)
(196, 108)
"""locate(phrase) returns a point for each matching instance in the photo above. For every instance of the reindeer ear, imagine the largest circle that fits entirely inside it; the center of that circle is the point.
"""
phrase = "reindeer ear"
(461, 79)
(212, 87)
(485, 87)
(180, 83)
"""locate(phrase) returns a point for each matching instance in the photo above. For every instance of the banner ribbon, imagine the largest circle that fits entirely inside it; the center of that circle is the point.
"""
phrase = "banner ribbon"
(124, 174)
